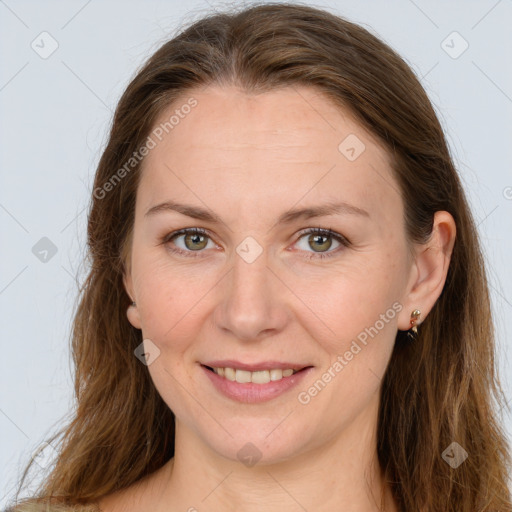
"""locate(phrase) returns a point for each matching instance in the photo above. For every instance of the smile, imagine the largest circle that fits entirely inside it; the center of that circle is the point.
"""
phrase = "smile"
(257, 377)
(259, 385)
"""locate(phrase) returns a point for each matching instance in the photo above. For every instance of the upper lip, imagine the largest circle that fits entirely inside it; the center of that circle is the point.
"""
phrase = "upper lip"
(264, 365)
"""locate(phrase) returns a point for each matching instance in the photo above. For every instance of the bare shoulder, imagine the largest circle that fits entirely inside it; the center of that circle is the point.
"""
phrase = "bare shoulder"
(34, 506)
(114, 502)
(140, 496)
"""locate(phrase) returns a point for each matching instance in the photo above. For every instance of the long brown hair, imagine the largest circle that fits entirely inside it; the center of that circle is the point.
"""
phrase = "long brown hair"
(440, 389)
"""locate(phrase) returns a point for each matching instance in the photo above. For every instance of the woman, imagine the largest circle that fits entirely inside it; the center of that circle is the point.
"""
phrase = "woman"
(287, 307)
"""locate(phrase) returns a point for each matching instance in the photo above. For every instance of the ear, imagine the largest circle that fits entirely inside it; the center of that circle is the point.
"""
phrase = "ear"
(132, 312)
(429, 270)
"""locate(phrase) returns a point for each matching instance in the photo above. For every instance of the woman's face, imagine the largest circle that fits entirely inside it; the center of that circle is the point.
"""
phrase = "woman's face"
(253, 291)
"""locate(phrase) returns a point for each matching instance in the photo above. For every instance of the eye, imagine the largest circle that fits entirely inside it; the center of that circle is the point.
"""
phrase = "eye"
(194, 240)
(320, 238)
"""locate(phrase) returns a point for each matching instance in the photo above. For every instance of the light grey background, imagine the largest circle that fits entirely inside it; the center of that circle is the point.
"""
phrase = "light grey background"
(55, 114)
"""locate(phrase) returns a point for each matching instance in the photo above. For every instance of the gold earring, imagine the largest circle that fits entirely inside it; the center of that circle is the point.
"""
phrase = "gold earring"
(415, 315)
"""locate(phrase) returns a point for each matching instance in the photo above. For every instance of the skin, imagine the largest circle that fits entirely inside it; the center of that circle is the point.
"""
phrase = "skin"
(249, 158)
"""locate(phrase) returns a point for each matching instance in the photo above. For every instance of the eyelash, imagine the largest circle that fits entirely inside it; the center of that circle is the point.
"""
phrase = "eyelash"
(311, 255)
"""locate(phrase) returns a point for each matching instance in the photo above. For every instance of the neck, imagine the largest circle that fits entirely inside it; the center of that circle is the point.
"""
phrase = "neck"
(341, 473)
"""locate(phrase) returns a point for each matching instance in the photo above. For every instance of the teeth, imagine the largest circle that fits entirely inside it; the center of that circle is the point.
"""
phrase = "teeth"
(262, 377)
(276, 374)
(258, 377)
(229, 373)
(242, 376)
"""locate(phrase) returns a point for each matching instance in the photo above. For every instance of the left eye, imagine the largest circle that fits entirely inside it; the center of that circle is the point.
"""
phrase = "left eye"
(322, 238)
(196, 239)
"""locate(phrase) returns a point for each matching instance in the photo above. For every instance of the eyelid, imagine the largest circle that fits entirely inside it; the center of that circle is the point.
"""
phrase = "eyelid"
(325, 231)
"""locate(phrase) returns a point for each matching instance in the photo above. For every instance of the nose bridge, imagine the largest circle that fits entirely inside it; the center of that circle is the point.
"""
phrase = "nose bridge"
(249, 278)
(251, 303)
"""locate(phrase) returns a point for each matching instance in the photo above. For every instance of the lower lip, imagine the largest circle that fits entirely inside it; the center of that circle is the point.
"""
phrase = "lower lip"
(249, 392)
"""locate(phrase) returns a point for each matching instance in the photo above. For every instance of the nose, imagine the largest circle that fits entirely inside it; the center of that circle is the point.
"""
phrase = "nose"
(252, 301)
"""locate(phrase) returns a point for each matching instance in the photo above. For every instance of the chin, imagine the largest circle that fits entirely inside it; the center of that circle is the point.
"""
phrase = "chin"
(261, 442)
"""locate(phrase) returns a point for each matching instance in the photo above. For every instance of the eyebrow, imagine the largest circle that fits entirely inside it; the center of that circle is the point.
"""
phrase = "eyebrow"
(287, 217)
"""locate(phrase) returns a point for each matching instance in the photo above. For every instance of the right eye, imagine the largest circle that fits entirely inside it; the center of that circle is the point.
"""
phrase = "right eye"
(193, 241)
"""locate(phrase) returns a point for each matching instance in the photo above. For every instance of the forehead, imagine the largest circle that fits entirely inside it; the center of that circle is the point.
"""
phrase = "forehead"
(276, 146)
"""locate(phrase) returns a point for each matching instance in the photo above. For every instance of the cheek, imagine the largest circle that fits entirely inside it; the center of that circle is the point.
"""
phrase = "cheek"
(169, 311)
(354, 322)
(344, 302)
(356, 361)
(168, 303)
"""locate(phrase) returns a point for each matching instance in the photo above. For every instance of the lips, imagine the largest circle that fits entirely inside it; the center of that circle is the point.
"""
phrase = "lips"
(253, 383)
(251, 392)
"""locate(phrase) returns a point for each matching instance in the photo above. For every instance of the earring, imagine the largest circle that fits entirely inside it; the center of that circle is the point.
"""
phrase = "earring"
(415, 315)
(134, 304)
